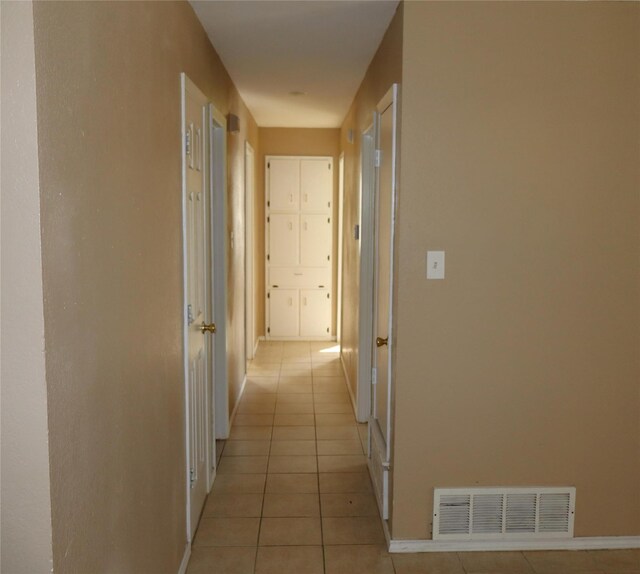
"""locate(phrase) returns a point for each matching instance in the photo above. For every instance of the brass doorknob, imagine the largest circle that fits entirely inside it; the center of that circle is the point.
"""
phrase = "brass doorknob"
(208, 328)
(380, 342)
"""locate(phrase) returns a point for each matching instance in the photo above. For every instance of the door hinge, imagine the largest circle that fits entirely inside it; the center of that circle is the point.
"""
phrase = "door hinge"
(268, 165)
(377, 161)
(192, 477)
(328, 220)
(268, 204)
(374, 376)
(268, 257)
(327, 329)
(328, 204)
(268, 220)
(329, 165)
(187, 143)
(268, 329)
(328, 257)
(190, 318)
(268, 295)
(328, 296)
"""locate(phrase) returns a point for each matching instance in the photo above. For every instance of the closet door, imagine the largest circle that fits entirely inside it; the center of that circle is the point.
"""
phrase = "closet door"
(316, 184)
(284, 184)
(315, 240)
(315, 313)
(284, 234)
(284, 313)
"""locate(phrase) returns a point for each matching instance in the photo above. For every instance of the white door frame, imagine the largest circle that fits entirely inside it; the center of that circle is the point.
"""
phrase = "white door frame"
(187, 86)
(249, 257)
(218, 183)
(340, 246)
(367, 253)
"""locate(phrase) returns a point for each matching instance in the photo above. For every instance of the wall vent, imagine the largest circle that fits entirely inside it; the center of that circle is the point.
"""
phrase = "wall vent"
(503, 513)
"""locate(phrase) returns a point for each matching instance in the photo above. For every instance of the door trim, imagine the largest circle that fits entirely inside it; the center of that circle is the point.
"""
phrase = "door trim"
(340, 248)
(218, 193)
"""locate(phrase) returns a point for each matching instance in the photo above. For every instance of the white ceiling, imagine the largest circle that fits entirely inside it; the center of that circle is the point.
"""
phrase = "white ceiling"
(271, 48)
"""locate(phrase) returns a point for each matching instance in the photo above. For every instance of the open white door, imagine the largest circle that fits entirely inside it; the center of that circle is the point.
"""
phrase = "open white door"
(198, 328)
(381, 425)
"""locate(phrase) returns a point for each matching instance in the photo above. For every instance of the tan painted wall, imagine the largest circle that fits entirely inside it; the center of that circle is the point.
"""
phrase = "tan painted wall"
(385, 69)
(26, 500)
(109, 135)
(291, 141)
(520, 158)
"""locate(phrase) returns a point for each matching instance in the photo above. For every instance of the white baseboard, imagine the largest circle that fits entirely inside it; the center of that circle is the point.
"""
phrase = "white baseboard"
(235, 407)
(185, 559)
(351, 395)
(580, 543)
(255, 347)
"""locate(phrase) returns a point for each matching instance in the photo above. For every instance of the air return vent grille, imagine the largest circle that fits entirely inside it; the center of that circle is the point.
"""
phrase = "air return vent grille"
(503, 513)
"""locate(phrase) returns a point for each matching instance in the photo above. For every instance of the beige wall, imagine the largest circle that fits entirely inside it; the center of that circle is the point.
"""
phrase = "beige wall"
(385, 69)
(520, 158)
(26, 500)
(109, 135)
(291, 141)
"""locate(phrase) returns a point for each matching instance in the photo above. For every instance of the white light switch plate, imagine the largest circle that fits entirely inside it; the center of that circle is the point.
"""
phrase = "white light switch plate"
(435, 264)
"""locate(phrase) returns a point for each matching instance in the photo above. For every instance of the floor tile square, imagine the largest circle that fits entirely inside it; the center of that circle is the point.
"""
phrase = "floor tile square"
(305, 408)
(221, 505)
(292, 505)
(560, 562)
(628, 559)
(294, 433)
(294, 380)
(326, 447)
(337, 433)
(256, 408)
(293, 420)
(481, 562)
(239, 483)
(342, 463)
(264, 369)
(295, 388)
(246, 448)
(352, 530)
(296, 464)
(330, 420)
(223, 560)
(250, 433)
(290, 560)
(332, 398)
(243, 420)
(340, 482)
(227, 532)
(348, 504)
(293, 447)
(243, 465)
(343, 408)
(328, 388)
(290, 532)
(366, 559)
(292, 483)
(286, 398)
(428, 562)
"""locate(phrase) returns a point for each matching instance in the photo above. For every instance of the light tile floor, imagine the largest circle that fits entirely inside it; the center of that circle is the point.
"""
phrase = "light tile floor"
(293, 495)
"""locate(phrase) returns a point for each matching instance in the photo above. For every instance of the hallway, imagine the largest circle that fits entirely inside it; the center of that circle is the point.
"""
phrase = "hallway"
(293, 494)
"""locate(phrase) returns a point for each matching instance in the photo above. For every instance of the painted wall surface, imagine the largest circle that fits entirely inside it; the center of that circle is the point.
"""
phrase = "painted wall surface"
(26, 500)
(520, 159)
(385, 70)
(108, 86)
(292, 141)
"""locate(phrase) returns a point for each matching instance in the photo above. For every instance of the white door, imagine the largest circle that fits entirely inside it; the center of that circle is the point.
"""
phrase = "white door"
(283, 239)
(315, 313)
(315, 240)
(381, 424)
(316, 184)
(284, 313)
(283, 179)
(197, 271)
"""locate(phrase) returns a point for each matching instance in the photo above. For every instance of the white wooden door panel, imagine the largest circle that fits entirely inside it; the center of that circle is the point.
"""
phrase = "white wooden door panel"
(284, 244)
(197, 287)
(315, 313)
(284, 313)
(316, 184)
(284, 184)
(315, 240)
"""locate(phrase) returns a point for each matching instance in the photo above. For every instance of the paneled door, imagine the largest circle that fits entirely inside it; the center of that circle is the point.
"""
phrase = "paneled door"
(197, 289)
(382, 372)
